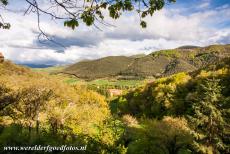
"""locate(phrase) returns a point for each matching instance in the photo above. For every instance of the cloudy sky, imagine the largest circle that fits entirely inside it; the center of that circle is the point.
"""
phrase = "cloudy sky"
(187, 22)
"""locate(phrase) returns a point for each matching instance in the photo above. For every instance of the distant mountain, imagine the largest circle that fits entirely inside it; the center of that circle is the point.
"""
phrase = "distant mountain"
(188, 47)
(37, 65)
(156, 64)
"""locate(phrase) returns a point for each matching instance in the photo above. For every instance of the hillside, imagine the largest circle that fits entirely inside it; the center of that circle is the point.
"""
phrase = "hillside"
(201, 97)
(104, 67)
(179, 112)
(37, 108)
(157, 64)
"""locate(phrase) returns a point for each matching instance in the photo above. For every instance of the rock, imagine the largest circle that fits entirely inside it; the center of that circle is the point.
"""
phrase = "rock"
(1, 58)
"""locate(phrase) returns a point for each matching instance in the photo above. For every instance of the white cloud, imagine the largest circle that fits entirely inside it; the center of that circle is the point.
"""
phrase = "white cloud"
(166, 29)
(107, 47)
(204, 5)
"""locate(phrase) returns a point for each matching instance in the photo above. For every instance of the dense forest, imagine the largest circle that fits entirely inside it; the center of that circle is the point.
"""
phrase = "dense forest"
(180, 114)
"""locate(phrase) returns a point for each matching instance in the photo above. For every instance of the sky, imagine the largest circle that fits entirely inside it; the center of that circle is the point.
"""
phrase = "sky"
(187, 22)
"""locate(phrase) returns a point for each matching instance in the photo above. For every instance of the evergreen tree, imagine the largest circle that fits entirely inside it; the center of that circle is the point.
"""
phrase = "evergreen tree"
(207, 116)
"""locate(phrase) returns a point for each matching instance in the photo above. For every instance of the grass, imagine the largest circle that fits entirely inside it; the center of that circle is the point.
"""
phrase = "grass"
(98, 82)
(117, 82)
(104, 82)
(172, 53)
(71, 81)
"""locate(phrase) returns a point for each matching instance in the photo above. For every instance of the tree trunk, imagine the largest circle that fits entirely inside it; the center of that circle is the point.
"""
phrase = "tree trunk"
(37, 127)
(30, 131)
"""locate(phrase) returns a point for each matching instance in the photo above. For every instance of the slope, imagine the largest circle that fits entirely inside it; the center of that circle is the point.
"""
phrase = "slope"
(104, 67)
(157, 64)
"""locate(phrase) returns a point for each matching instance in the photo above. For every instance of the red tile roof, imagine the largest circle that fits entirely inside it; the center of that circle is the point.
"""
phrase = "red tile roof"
(1, 55)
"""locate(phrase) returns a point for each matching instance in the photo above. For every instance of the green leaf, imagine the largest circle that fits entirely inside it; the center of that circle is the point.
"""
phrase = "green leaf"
(143, 24)
(4, 2)
(73, 23)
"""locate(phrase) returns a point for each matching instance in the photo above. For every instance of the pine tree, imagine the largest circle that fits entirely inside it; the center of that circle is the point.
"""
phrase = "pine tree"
(207, 115)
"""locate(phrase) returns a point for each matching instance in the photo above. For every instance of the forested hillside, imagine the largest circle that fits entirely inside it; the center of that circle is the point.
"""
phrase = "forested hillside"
(157, 64)
(104, 67)
(38, 109)
(180, 114)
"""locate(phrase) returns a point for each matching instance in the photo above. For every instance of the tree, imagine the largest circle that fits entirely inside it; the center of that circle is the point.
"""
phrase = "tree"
(7, 96)
(90, 12)
(31, 103)
(169, 136)
(2, 23)
(207, 117)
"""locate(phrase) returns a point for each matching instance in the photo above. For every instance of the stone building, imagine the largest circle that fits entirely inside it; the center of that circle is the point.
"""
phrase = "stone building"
(114, 92)
(1, 58)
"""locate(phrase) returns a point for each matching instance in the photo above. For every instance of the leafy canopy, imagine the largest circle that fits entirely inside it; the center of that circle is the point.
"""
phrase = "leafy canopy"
(91, 12)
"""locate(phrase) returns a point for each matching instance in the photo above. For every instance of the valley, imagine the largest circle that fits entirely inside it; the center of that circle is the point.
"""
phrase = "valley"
(117, 115)
(115, 77)
(127, 73)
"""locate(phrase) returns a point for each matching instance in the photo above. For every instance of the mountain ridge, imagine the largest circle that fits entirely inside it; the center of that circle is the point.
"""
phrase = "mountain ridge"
(156, 64)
